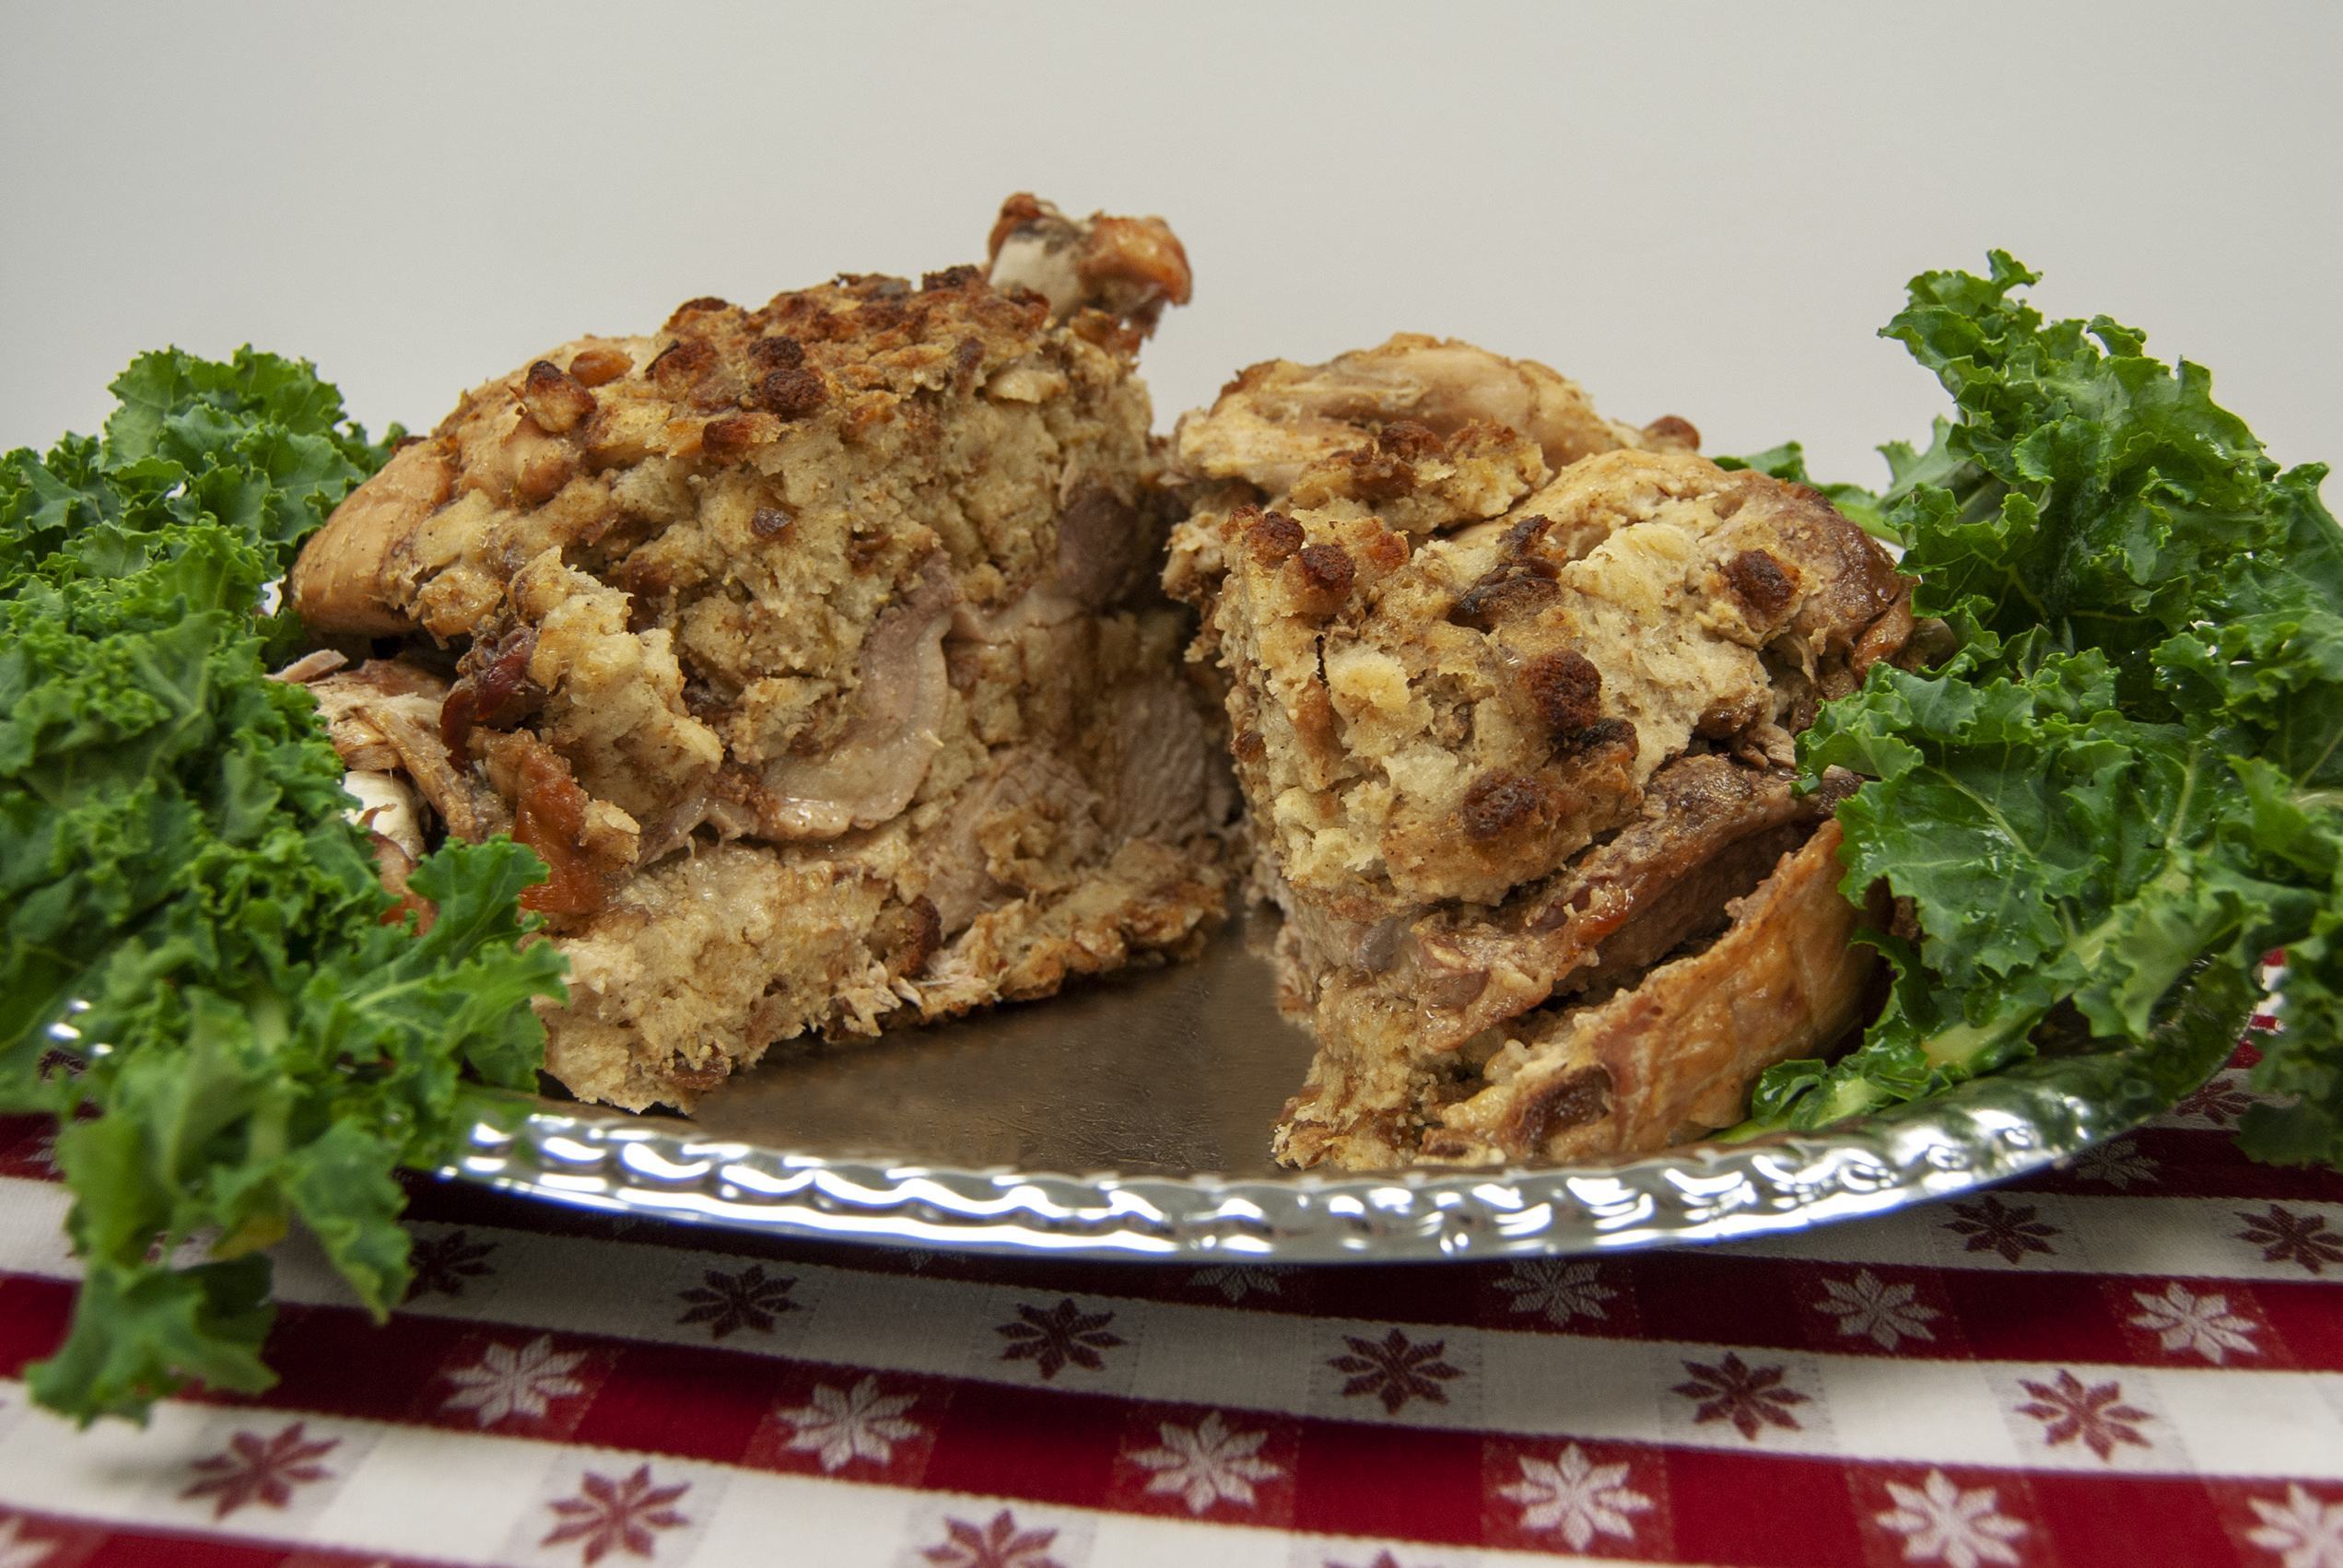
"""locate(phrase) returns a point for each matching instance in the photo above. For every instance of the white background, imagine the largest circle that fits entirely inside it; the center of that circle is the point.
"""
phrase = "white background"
(1698, 209)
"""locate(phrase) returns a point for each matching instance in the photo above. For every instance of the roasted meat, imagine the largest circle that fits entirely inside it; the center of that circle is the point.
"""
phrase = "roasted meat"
(1512, 689)
(816, 647)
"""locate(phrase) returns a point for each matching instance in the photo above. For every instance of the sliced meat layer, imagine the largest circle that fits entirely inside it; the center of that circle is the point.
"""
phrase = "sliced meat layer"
(1672, 1059)
(1393, 1034)
(901, 693)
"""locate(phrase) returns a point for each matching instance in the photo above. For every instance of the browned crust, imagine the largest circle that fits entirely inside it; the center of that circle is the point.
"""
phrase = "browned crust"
(338, 584)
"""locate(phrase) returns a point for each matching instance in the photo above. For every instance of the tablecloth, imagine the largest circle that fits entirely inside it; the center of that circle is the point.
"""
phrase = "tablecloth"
(2135, 1359)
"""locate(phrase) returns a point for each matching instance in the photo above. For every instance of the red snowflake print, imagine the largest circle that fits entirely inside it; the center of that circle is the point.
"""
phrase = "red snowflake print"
(997, 1545)
(2285, 1236)
(1731, 1391)
(2220, 1102)
(2070, 1410)
(1395, 1371)
(616, 1515)
(19, 1549)
(34, 1157)
(1062, 1335)
(442, 1265)
(249, 1471)
(2009, 1230)
(745, 1300)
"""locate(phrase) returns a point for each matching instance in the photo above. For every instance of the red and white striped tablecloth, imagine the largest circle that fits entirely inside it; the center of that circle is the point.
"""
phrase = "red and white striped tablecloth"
(2137, 1359)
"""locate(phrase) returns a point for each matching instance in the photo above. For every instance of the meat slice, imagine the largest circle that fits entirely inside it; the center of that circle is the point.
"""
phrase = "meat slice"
(869, 773)
(1671, 1057)
(805, 642)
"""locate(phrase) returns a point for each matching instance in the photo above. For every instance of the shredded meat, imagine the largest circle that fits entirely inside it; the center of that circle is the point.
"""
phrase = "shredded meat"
(1129, 267)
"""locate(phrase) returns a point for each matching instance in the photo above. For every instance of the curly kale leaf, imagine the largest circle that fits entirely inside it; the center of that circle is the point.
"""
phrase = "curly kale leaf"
(2131, 769)
(194, 945)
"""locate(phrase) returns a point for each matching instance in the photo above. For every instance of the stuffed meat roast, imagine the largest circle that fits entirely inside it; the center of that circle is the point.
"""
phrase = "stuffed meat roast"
(1512, 689)
(816, 647)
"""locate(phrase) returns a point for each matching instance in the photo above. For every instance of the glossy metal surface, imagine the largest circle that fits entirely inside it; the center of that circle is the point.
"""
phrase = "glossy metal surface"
(1129, 1118)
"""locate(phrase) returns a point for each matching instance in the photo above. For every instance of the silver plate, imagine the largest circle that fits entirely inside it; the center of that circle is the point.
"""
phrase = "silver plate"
(1128, 1118)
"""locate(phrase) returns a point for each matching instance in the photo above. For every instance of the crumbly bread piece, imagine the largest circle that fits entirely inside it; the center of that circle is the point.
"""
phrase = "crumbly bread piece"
(1511, 707)
(817, 650)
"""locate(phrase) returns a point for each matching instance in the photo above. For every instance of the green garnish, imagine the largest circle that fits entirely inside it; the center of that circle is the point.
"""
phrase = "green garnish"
(2128, 776)
(193, 947)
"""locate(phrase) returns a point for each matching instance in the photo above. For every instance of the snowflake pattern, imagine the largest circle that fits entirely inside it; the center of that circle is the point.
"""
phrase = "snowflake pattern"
(1731, 1391)
(609, 1515)
(2186, 1321)
(1062, 1335)
(1395, 1371)
(1235, 1280)
(443, 1263)
(2285, 1236)
(862, 1423)
(249, 1471)
(2220, 1102)
(1942, 1522)
(1206, 1464)
(997, 1545)
(2304, 1532)
(727, 1303)
(2010, 1230)
(515, 1382)
(20, 1551)
(1575, 1496)
(2069, 1411)
(1887, 1314)
(2116, 1165)
(1560, 1289)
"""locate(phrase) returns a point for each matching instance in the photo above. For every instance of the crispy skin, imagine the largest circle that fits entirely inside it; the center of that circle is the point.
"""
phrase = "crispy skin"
(805, 643)
(1128, 267)
(1358, 426)
(1532, 735)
